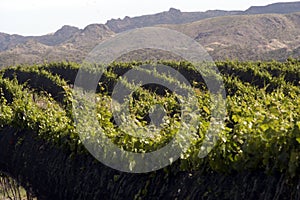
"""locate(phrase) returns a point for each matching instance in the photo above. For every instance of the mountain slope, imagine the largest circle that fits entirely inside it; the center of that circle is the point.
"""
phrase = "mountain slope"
(279, 8)
(224, 34)
(60, 36)
(68, 43)
(174, 16)
(248, 36)
(9, 41)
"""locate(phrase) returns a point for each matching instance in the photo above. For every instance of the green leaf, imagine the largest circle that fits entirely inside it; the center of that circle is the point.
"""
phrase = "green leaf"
(264, 127)
(298, 124)
(206, 110)
(235, 118)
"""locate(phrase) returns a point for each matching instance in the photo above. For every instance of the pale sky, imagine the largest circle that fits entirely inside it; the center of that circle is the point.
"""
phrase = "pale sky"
(37, 17)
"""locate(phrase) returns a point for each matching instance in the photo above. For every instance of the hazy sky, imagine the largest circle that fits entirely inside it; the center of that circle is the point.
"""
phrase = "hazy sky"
(36, 17)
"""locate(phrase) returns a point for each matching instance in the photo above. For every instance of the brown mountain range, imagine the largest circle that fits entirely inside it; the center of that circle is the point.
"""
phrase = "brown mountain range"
(244, 35)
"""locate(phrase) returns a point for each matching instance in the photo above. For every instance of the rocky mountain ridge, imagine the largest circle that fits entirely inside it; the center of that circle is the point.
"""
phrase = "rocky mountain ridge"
(244, 35)
(175, 16)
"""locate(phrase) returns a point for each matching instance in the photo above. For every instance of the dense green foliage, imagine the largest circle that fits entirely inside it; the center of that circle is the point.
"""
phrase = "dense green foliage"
(262, 129)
